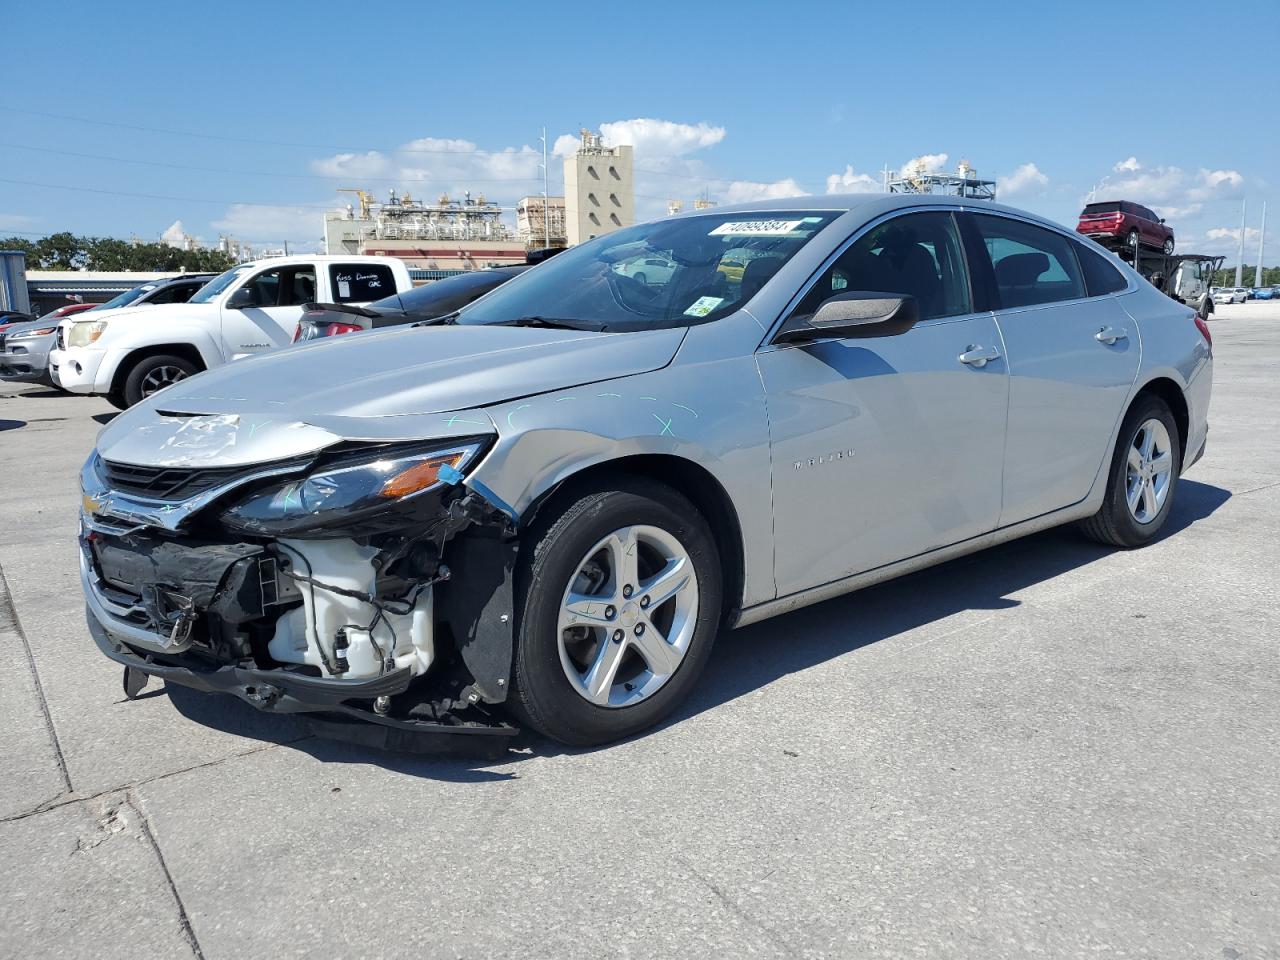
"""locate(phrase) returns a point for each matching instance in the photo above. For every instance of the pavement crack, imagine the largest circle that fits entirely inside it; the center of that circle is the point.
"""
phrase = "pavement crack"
(70, 797)
(9, 615)
(733, 905)
(184, 921)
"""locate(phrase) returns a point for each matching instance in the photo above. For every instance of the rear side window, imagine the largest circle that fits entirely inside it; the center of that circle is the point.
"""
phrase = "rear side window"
(1100, 277)
(361, 282)
(1031, 265)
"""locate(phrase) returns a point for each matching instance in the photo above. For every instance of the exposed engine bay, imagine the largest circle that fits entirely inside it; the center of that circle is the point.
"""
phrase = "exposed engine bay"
(400, 617)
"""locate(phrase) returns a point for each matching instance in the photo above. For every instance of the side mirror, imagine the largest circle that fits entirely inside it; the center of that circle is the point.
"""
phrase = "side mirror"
(243, 297)
(855, 314)
(1162, 219)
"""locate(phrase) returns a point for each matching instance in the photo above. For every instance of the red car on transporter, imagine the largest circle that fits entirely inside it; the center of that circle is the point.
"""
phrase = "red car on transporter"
(1129, 222)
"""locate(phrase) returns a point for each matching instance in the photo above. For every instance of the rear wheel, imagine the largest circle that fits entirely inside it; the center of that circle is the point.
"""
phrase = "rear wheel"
(152, 374)
(1133, 239)
(1168, 247)
(620, 605)
(1144, 474)
(642, 278)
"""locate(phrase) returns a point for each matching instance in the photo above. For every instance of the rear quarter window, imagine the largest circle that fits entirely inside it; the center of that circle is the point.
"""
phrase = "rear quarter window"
(1100, 277)
(361, 282)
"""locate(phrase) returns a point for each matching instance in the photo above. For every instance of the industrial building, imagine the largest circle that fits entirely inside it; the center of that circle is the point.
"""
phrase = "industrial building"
(918, 179)
(448, 235)
(599, 189)
(540, 222)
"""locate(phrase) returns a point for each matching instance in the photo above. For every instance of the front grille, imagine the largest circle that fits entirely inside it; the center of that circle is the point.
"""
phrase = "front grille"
(174, 483)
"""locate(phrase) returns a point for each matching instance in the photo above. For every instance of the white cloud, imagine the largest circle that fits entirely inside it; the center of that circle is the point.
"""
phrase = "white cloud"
(654, 139)
(1226, 233)
(1024, 178)
(927, 163)
(744, 191)
(174, 235)
(850, 182)
(432, 165)
(1171, 191)
(273, 225)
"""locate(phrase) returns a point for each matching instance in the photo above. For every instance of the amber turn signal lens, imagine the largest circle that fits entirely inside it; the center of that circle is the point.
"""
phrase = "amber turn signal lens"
(418, 477)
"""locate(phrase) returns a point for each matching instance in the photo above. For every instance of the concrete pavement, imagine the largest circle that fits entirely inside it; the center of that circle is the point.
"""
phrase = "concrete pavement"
(1048, 749)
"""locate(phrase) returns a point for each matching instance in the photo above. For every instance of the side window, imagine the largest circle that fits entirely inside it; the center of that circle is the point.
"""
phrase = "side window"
(917, 254)
(175, 293)
(1100, 277)
(1031, 265)
(284, 286)
(361, 282)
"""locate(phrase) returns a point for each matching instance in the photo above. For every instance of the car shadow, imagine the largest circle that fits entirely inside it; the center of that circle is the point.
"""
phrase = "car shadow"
(105, 418)
(747, 659)
(753, 657)
(12, 425)
(42, 393)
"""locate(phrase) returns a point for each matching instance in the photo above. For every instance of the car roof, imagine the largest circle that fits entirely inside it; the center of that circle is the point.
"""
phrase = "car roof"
(871, 204)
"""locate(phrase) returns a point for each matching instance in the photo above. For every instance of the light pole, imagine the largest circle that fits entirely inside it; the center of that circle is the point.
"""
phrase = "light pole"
(546, 213)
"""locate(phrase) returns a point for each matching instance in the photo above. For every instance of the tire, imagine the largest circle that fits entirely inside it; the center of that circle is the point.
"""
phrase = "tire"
(150, 374)
(1168, 247)
(116, 399)
(1116, 523)
(641, 278)
(560, 553)
(1133, 239)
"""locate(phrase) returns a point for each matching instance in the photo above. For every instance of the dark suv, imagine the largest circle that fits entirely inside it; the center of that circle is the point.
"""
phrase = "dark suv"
(1122, 220)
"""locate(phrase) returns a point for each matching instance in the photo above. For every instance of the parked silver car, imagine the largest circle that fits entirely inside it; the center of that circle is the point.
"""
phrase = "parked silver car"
(554, 500)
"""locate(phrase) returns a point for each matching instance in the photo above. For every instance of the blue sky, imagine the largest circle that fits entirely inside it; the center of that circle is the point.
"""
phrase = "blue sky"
(292, 100)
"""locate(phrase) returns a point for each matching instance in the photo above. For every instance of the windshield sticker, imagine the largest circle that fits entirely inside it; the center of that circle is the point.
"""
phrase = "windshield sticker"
(703, 305)
(344, 288)
(755, 228)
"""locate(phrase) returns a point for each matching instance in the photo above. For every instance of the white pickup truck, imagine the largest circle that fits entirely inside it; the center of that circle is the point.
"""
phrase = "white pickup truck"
(252, 308)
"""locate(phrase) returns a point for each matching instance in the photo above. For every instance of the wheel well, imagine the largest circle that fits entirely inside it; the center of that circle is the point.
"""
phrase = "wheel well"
(184, 350)
(1171, 393)
(695, 482)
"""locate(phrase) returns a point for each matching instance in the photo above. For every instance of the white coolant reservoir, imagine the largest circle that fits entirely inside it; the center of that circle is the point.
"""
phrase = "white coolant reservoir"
(302, 633)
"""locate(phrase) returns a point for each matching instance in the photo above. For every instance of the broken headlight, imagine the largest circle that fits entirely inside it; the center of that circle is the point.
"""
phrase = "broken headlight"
(332, 497)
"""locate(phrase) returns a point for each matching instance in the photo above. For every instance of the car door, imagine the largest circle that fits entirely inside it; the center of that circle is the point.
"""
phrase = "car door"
(271, 317)
(1072, 357)
(885, 448)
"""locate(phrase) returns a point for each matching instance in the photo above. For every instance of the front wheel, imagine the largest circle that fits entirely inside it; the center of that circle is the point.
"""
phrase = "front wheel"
(1168, 247)
(620, 598)
(1143, 477)
(152, 374)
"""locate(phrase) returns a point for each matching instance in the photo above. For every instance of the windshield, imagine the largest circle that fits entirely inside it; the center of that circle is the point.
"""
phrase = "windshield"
(669, 273)
(128, 297)
(218, 284)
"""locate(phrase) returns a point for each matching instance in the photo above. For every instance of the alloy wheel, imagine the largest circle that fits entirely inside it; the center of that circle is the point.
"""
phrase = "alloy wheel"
(161, 377)
(1149, 471)
(627, 616)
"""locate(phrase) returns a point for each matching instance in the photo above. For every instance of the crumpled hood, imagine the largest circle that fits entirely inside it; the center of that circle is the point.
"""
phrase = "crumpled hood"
(381, 385)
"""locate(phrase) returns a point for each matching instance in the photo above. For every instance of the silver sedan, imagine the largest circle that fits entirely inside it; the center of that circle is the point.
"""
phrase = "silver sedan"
(548, 506)
(24, 351)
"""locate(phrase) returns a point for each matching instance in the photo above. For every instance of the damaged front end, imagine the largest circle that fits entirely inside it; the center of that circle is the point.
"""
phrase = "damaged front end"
(366, 586)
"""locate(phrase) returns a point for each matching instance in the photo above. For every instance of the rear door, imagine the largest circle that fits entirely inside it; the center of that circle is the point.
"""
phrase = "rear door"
(271, 320)
(886, 447)
(1072, 357)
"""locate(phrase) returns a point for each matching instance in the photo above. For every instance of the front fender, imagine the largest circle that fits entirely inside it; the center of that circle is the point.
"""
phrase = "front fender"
(712, 414)
(127, 342)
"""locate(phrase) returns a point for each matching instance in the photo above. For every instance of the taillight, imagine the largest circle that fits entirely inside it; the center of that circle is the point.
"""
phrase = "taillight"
(334, 329)
(1204, 330)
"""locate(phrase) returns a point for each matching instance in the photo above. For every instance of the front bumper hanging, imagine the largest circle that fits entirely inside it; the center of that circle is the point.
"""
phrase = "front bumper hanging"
(326, 708)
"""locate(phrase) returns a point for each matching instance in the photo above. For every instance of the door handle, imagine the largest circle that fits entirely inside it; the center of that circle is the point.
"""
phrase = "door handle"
(979, 356)
(1110, 335)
